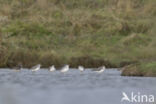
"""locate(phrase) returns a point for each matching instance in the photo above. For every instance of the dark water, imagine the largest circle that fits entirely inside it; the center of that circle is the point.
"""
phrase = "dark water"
(45, 87)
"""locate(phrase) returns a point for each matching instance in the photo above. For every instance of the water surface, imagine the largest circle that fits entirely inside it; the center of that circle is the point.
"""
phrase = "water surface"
(73, 87)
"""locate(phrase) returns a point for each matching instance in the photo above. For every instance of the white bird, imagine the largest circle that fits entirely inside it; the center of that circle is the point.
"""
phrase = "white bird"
(52, 68)
(101, 69)
(81, 68)
(36, 67)
(65, 69)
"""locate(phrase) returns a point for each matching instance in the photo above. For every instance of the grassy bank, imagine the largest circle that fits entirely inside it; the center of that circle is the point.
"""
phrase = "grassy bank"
(141, 69)
(111, 32)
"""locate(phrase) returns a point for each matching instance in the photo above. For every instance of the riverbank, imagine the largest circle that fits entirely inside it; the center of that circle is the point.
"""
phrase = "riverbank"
(141, 69)
(115, 33)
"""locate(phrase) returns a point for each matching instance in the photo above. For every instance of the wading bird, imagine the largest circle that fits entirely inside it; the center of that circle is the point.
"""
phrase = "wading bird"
(81, 68)
(52, 68)
(101, 69)
(36, 67)
(65, 69)
(18, 67)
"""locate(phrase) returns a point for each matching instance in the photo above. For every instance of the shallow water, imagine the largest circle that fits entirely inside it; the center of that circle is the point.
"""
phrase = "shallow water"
(73, 87)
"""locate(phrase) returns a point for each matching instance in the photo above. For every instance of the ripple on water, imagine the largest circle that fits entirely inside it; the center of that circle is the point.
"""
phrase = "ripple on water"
(40, 87)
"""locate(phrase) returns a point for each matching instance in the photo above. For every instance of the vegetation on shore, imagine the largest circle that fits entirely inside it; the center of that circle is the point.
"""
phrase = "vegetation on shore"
(140, 69)
(88, 32)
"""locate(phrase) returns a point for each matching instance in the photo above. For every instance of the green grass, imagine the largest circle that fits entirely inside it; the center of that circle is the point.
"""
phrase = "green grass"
(115, 31)
(149, 67)
(141, 69)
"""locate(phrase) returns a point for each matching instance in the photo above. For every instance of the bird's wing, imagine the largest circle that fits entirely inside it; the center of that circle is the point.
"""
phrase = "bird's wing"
(98, 69)
(34, 67)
